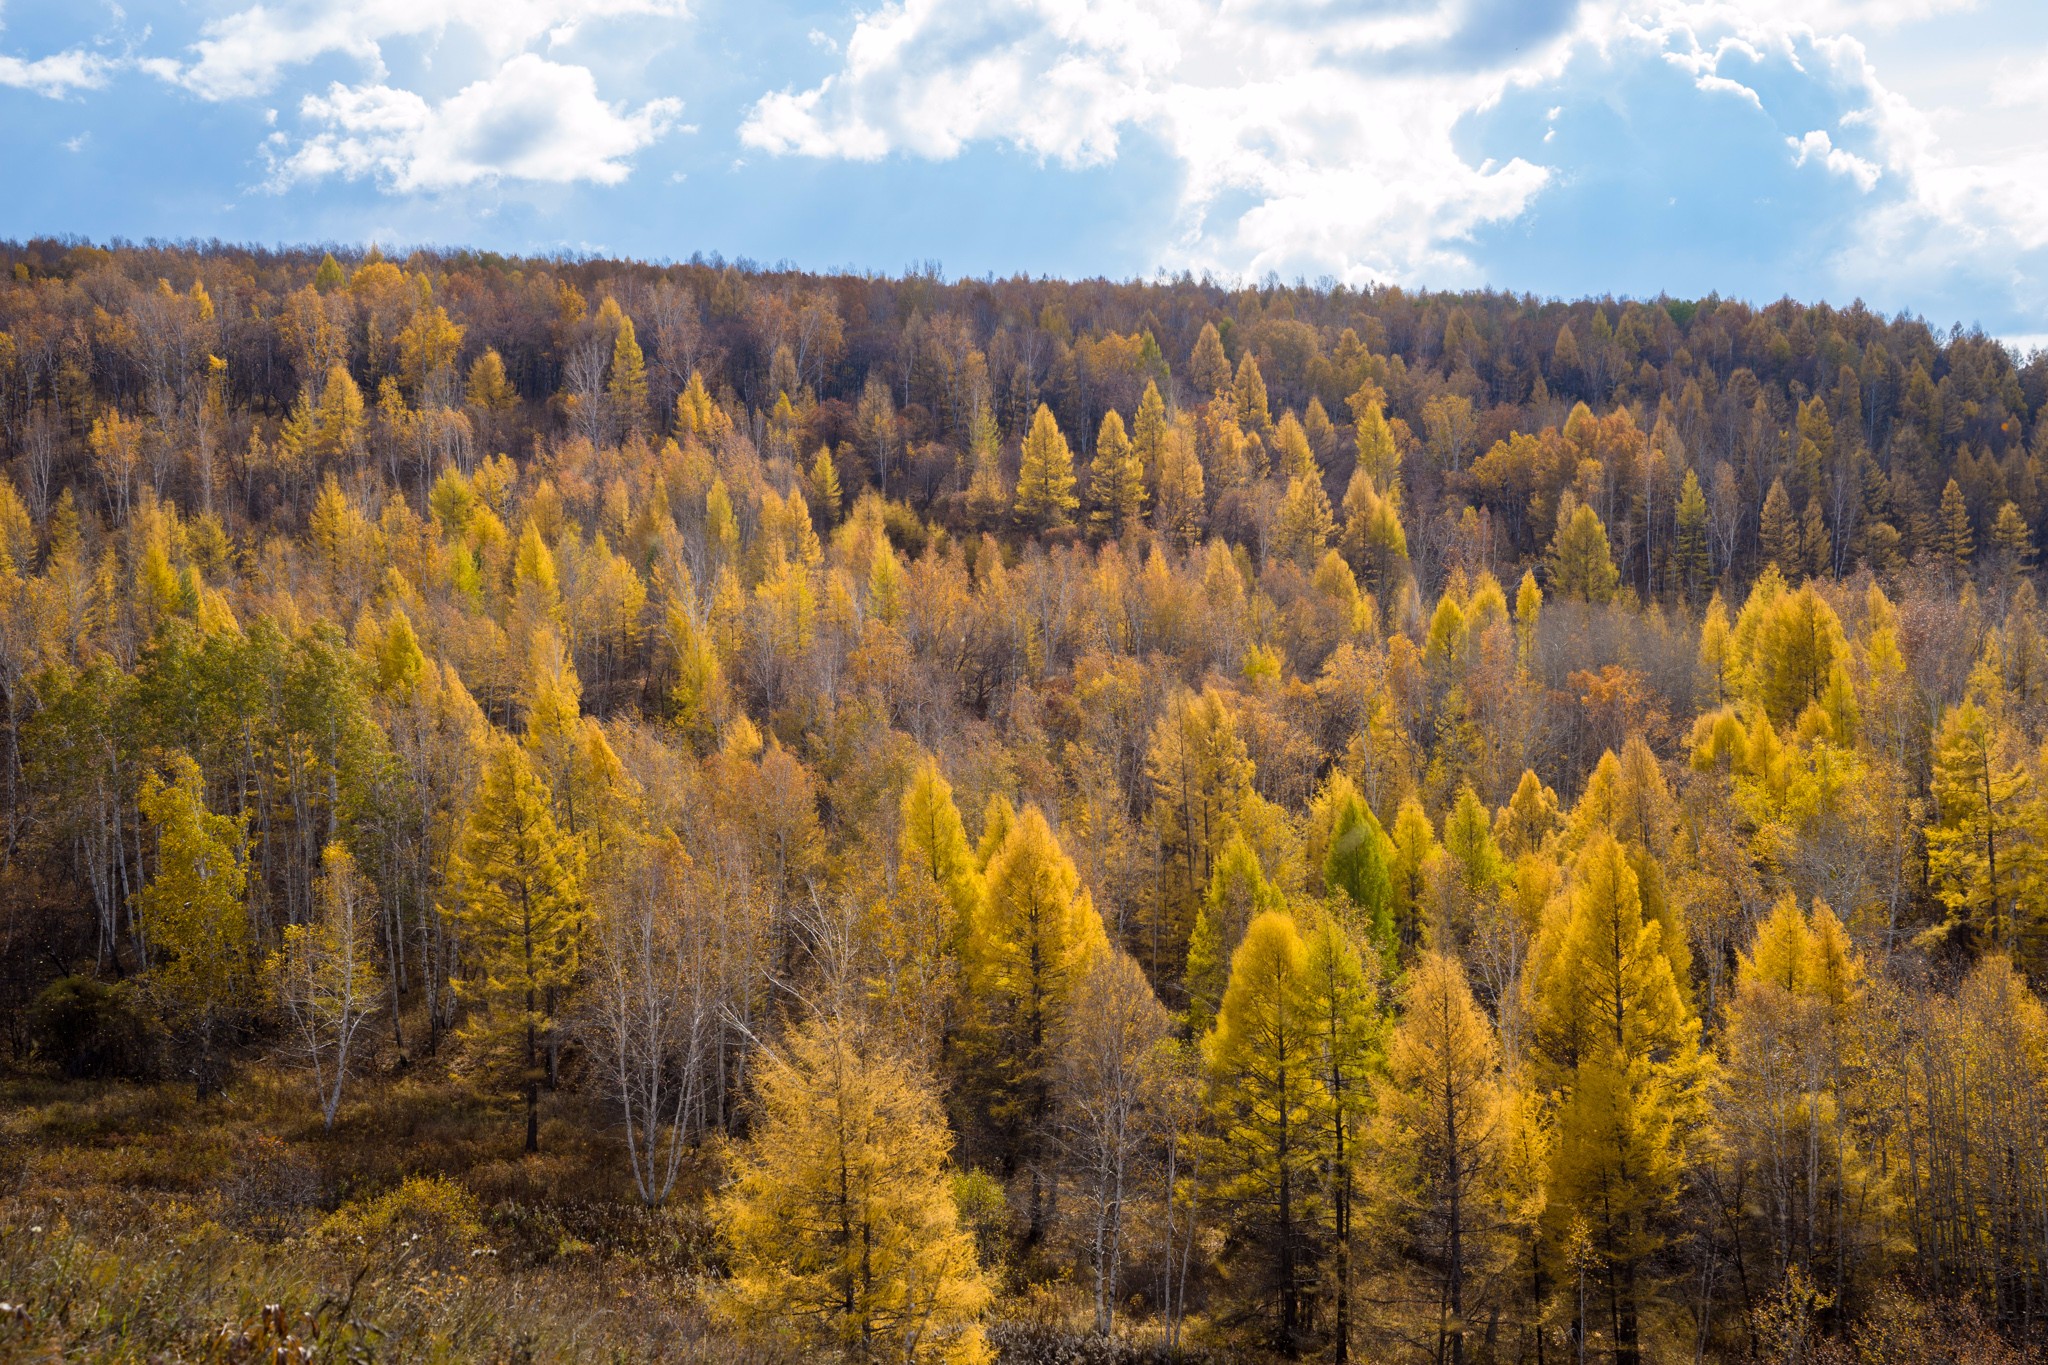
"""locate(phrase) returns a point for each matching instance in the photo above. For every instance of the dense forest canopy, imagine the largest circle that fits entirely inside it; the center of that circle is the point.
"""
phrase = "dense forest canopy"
(1333, 822)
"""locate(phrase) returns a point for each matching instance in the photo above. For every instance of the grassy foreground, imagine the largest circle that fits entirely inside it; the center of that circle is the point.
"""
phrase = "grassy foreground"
(139, 1224)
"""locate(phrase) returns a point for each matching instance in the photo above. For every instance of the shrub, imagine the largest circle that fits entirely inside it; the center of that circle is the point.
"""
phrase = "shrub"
(88, 1028)
(984, 1212)
(1025, 1341)
(428, 1219)
(272, 1188)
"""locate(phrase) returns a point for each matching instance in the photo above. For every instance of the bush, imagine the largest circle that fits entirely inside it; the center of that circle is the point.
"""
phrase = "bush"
(1902, 1328)
(985, 1212)
(272, 1188)
(90, 1029)
(429, 1219)
(1025, 1342)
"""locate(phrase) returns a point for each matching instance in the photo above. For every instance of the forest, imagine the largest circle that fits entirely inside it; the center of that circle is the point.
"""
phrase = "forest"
(579, 809)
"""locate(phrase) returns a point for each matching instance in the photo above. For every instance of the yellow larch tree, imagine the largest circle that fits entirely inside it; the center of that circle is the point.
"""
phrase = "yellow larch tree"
(1045, 476)
(1341, 1010)
(1264, 1100)
(840, 1222)
(201, 953)
(1116, 479)
(517, 878)
(1616, 1048)
(1034, 934)
(1442, 1151)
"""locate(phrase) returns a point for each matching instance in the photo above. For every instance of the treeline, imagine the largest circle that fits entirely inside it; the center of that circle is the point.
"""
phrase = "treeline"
(1344, 823)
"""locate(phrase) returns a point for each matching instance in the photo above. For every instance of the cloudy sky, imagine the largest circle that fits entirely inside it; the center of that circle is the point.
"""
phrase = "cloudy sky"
(1892, 150)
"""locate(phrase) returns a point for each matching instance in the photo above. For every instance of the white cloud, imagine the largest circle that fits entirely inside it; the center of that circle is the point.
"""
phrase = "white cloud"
(1338, 129)
(1825, 15)
(1818, 146)
(525, 117)
(1318, 139)
(1969, 191)
(532, 120)
(2023, 84)
(246, 52)
(1967, 182)
(57, 75)
(930, 76)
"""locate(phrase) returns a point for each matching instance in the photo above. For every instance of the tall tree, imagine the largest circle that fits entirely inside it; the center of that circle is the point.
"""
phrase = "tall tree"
(840, 1222)
(1580, 562)
(1208, 368)
(1033, 938)
(988, 496)
(520, 909)
(626, 379)
(1200, 776)
(1111, 1051)
(1691, 561)
(1305, 524)
(1778, 531)
(2012, 539)
(1116, 479)
(1181, 508)
(1254, 412)
(876, 421)
(1265, 1099)
(651, 1003)
(1148, 432)
(1356, 866)
(935, 840)
(1238, 894)
(1786, 1115)
(1340, 1008)
(1955, 542)
(1442, 1136)
(1379, 458)
(1045, 477)
(191, 914)
(1614, 1040)
(327, 978)
(1977, 859)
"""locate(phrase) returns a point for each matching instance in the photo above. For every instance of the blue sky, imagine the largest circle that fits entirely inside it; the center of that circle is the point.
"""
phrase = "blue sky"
(1889, 150)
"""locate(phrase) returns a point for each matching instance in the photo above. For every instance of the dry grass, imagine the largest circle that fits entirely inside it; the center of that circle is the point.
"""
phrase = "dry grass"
(139, 1224)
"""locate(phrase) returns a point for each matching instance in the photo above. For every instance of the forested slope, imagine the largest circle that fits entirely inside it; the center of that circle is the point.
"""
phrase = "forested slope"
(1376, 825)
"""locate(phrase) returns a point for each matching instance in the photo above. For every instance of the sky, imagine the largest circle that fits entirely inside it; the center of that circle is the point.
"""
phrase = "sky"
(1894, 151)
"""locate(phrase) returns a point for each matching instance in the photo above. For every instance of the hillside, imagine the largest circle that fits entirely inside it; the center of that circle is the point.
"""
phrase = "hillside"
(577, 808)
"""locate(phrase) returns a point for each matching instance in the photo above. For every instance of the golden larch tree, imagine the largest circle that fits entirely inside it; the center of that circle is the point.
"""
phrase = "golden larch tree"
(1045, 475)
(840, 1223)
(517, 879)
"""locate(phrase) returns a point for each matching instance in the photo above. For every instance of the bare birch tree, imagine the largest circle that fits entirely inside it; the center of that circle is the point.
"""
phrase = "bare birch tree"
(327, 977)
(1109, 1047)
(652, 1012)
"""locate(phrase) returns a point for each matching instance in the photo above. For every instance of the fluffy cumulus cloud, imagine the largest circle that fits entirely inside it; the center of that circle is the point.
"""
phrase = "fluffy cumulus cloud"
(526, 118)
(1887, 148)
(1311, 136)
(1816, 146)
(60, 74)
(931, 76)
(247, 52)
(1331, 136)
(532, 119)
(1957, 181)
(56, 75)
